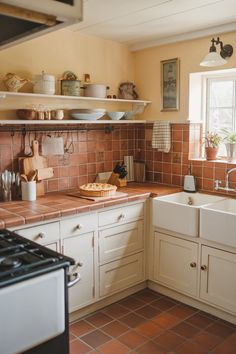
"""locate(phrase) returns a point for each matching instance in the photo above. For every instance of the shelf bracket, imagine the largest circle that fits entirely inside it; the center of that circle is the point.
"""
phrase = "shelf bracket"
(138, 108)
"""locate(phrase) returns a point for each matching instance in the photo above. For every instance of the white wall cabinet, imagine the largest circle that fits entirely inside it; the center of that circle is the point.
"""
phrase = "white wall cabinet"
(218, 285)
(175, 263)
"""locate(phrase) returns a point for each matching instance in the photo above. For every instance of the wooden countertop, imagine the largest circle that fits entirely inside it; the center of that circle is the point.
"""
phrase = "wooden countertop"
(55, 205)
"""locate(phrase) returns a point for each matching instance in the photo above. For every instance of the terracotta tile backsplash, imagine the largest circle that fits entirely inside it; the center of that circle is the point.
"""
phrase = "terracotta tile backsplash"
(89, 152)
(96, 151)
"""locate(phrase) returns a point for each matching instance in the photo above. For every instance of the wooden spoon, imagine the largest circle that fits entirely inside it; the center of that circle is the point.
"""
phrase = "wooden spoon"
(24, 177)
(32, 175)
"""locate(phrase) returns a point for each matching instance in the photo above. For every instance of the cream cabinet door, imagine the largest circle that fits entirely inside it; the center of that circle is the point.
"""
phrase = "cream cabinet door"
(175, 263)
(119, 241)
(81, 248)
(121, 274)
(218, 271)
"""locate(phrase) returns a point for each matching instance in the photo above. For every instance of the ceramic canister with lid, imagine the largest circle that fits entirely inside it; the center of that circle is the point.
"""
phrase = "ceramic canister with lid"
(44, 84)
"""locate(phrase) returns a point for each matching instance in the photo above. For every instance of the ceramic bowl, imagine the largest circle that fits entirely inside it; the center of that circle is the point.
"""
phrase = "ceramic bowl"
(115, 115)
(87, 114)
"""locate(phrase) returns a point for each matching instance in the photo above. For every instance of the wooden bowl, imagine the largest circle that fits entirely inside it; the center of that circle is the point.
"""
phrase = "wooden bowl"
(28, 114)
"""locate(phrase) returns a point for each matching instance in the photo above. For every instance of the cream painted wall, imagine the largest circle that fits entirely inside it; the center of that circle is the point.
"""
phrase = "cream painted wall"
(190, 53)
(106, 61)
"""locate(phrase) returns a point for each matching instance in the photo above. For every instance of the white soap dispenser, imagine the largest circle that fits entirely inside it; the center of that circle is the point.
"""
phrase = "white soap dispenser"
(189, 182)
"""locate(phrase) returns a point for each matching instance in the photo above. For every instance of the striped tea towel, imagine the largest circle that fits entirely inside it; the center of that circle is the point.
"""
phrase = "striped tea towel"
(161, 136)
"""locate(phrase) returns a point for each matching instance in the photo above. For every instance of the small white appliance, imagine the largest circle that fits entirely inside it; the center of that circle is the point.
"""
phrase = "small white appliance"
(189, 182)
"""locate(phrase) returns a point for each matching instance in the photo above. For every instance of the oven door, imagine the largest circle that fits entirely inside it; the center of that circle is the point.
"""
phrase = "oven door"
(32, 312)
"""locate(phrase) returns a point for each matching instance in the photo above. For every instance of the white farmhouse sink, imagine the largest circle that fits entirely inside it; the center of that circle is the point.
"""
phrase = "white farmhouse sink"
(179, 212)
(218, 222)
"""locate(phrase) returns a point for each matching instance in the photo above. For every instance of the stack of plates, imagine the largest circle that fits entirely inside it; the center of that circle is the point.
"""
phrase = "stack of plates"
(87, 114)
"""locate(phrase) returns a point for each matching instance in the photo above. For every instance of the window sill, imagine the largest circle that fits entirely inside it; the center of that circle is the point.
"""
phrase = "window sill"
(222, 160)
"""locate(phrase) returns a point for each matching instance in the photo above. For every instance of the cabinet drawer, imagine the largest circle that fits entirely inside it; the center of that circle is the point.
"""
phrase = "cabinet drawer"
(121, 274)
(119, 241)
(120, 215)
(78, 225)
(43, 234)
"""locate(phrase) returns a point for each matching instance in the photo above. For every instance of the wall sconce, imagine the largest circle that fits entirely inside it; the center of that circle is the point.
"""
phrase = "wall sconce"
(215, 59)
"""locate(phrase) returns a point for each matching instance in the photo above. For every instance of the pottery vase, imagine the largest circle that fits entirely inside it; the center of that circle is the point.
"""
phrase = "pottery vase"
(211, 153)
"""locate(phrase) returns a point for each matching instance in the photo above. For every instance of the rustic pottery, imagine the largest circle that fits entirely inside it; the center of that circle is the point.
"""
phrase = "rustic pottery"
(13, 82)
(211, 153)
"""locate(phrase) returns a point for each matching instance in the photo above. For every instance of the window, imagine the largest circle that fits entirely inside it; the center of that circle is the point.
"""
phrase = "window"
(212, 104)
(220, 106)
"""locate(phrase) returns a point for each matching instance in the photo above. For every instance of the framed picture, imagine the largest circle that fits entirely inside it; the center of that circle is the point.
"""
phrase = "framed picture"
(170, 85)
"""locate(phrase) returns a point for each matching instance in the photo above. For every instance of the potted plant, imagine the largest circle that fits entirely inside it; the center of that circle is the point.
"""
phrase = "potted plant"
(212, 142)
(229, 139)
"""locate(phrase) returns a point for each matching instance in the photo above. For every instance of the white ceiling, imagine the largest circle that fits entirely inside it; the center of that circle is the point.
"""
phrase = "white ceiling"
(145, 23)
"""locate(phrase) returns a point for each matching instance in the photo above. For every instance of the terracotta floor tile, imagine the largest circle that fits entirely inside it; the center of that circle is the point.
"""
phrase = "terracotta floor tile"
(116, 310)
(81, 327)
(227, 323)
(208, 315)
(113, 347)
(220, 330)
(164, 303)
(166, 320)
(147, 295)
(99, 319)
(95, 338)
(186, 330)
(132, 339)
(199, 321)
(232, 339)
(207, 340)
(79, 347)
(132, 303)
(132, 320)
(149, 329)
(190, 348)
(115, 329)
(150, 348)
(182, 311)
(148, 311)
(169, 340)
(225, 348)
(72, 337)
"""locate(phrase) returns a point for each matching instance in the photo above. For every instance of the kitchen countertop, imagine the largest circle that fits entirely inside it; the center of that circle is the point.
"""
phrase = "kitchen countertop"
(54, 205)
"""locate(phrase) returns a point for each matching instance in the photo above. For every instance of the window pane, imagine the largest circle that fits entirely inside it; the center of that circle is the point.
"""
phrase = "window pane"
(220, 118)
(221, 93)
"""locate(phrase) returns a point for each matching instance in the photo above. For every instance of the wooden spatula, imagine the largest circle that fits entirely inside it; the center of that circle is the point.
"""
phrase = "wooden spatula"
(34, 162)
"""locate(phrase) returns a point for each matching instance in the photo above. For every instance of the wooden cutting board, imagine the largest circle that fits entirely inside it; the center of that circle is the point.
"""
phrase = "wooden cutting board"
(44, 173)
(34, 162)
(139, 171)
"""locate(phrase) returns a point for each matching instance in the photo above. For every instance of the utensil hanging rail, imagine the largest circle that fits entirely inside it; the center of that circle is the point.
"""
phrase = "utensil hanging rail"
(25, 129)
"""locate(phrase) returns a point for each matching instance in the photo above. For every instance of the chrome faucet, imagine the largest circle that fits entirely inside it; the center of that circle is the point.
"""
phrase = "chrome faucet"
(227, 187)
(227, 178)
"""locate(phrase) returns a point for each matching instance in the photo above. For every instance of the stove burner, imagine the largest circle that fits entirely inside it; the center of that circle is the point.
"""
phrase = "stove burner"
(10, 262)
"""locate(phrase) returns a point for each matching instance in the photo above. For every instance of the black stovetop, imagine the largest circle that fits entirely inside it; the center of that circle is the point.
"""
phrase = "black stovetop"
(22, 259)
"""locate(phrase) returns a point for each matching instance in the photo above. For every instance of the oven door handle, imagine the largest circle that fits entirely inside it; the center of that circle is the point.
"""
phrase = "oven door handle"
(73, 281)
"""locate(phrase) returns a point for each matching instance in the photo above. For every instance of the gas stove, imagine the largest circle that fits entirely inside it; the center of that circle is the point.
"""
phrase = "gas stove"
(21, 258)
(34, 283)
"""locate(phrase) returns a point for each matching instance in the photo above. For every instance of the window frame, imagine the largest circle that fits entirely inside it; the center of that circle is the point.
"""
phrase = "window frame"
(206, 79)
